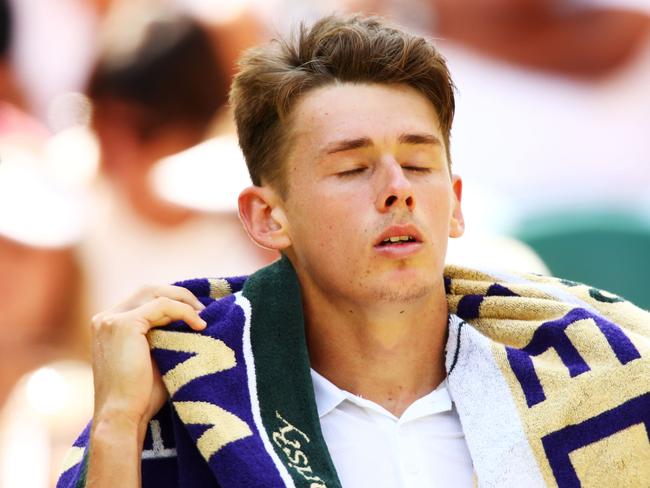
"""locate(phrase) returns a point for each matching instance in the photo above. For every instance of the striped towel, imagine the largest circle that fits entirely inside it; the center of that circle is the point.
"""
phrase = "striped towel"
(551, 380)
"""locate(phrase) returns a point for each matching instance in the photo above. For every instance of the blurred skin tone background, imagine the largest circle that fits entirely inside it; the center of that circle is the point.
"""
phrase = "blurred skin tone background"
(119, 165)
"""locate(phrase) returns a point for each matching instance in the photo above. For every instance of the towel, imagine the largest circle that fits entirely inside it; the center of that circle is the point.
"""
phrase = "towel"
(550, 379)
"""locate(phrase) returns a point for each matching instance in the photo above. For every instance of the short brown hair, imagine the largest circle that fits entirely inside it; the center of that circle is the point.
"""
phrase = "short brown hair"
(351, 48)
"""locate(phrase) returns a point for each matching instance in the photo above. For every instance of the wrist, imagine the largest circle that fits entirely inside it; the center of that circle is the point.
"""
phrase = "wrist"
(115, 451)
(109, 425)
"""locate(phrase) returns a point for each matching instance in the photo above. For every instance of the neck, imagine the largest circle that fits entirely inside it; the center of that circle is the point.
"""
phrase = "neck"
(391, 353)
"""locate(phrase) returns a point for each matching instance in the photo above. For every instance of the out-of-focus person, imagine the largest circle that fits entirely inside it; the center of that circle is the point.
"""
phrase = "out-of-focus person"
(47, 32)
(43, 319)
(156, 90)
(41, 280)
(40, 290)
(572, 131)
(572, 38)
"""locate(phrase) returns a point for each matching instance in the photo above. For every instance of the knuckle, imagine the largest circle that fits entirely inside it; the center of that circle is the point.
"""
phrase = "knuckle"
(96, 320)
(147, 290)
(102, 320)
(164, 301)
(184, 293)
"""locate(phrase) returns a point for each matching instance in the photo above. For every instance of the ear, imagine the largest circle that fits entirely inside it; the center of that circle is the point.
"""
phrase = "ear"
(263, 216)
(457, 223)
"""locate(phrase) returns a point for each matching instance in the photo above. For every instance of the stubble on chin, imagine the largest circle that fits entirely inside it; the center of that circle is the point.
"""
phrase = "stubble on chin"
(392, 291)
(407, 288)
(396, 293)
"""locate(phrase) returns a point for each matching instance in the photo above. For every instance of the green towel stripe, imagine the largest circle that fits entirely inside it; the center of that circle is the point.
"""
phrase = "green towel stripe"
(285, 390)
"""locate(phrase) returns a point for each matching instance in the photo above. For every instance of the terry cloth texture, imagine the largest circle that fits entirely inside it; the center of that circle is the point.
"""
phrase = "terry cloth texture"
(550, 379)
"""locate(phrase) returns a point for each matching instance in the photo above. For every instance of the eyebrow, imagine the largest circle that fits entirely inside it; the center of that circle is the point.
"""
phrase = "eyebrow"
(363, 142)
(347, 145)
(420, 138)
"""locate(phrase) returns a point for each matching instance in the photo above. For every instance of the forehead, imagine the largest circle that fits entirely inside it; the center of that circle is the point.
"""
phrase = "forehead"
(346, 110)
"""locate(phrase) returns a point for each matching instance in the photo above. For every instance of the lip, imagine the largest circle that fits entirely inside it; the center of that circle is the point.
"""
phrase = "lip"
(399, 230)
(400, 251)
(403, 249)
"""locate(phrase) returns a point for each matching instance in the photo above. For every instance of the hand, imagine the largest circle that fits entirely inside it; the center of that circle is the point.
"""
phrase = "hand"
(128, 385)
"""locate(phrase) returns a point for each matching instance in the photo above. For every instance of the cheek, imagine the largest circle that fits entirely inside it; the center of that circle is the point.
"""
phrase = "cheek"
(325, 214)
(328, 238)
(437, 202)
(316, 230)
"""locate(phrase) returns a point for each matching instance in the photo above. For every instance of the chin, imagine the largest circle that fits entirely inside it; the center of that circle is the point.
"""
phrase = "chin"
(403, 293)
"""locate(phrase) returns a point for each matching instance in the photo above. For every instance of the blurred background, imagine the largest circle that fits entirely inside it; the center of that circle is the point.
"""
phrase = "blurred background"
(119, 164)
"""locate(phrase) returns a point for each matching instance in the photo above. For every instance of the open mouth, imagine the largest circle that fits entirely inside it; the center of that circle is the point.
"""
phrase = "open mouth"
(399, 237)
(397, 240)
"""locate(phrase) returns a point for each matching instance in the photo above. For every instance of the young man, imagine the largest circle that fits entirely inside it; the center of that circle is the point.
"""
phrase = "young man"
(344, 363)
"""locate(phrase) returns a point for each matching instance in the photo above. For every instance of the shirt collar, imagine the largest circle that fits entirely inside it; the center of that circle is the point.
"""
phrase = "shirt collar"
(329, 396)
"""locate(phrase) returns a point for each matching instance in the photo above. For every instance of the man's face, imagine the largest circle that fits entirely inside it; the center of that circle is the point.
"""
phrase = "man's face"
(370, 200)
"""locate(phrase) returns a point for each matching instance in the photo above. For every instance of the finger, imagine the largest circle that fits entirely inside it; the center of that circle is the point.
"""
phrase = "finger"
(147, 293)
(178, 293)
(164, 310)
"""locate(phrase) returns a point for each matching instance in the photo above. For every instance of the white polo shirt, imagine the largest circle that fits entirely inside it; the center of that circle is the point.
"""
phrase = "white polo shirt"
(370, 447)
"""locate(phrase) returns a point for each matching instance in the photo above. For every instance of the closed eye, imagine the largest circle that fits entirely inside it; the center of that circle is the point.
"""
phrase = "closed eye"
(351, 172)
(418, 169)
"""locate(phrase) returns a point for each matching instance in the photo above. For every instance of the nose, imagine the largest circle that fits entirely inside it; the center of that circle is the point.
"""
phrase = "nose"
(395, 189)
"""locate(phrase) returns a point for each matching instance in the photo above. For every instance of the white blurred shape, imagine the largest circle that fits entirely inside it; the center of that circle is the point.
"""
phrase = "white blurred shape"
(72, 157)
(25, 464)
(547, 142)
(67, 110)
(35, 210)
(216, 11)
(35, 436)
(47, 391)
(488, 216)
(206, 177)
(639, 5)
